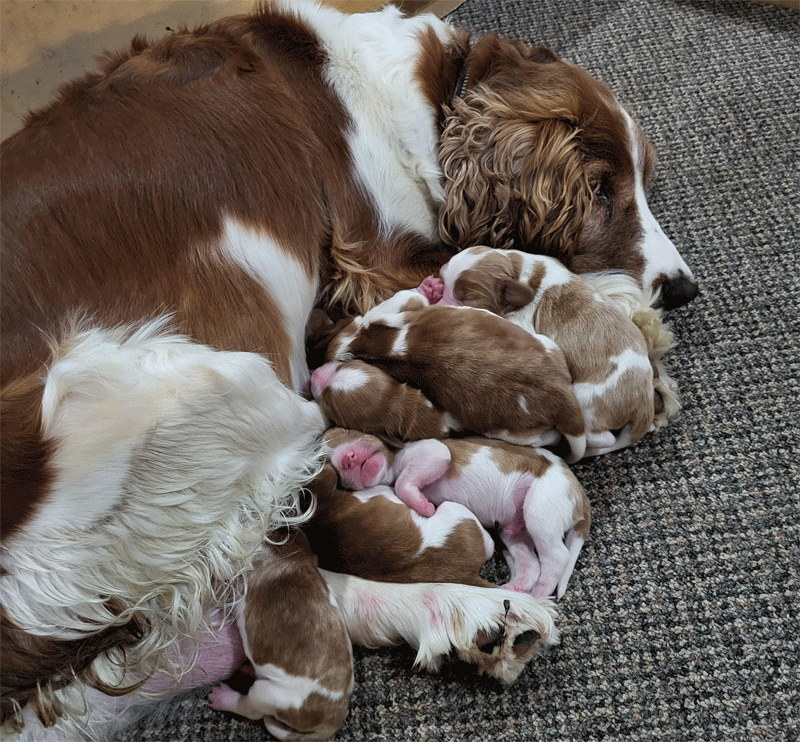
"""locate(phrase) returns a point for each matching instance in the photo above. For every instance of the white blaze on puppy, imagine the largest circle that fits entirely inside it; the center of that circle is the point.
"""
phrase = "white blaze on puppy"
(540, 508)
(606, 352)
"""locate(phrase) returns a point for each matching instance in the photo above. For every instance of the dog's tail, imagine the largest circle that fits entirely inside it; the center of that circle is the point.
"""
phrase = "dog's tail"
(574, 541)
(571, 424)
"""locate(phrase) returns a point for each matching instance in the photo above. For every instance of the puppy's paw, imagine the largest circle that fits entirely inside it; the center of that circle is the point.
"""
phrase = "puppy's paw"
(223, 698)
(432, 288)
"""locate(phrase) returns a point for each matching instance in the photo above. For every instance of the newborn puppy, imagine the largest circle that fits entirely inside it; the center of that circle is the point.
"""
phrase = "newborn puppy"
(357, 395)
(371, 534)
(605, 351)
(530, 495)
(493, 377)
(299, 647)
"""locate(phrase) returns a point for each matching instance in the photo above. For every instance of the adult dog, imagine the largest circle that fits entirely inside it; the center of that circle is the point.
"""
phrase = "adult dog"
(168, 225)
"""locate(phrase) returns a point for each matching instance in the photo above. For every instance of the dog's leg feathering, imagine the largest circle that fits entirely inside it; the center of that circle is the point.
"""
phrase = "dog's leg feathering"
(498, 630)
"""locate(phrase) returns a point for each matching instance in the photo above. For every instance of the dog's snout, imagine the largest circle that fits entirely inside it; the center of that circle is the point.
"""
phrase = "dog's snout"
(675, 292)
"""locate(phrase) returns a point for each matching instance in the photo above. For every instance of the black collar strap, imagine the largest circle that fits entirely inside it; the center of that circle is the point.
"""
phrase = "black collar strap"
(462, 81)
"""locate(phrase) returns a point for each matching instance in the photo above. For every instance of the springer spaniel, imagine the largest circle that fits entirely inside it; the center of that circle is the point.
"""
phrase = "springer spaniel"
(168, 225)
(607, 354)
(530, 495)
(525, 398)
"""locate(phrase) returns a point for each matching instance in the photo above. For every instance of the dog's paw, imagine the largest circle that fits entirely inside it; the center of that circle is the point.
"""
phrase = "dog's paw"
(497, 630)
(525, 627)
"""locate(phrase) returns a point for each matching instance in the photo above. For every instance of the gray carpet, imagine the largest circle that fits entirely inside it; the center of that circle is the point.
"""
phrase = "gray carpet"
(681, 618)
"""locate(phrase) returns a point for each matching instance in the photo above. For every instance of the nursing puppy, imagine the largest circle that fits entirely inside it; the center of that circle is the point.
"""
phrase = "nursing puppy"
(450, 546)
(605, 351)
(299, 648)
(530, 495)
(493, 377)
(357, 395)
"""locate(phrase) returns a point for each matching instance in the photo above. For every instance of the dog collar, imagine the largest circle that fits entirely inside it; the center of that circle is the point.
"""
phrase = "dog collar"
(462, 81)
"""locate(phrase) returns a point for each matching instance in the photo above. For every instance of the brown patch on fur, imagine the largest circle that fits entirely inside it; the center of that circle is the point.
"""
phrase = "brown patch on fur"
(25, 457)
(345, 530)
(591, 333)
(383, 406)
(34, 667)
(447, 357)
(508, 457)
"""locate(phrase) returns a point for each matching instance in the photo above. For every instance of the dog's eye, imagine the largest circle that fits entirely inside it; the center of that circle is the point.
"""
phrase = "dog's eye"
(601, 193)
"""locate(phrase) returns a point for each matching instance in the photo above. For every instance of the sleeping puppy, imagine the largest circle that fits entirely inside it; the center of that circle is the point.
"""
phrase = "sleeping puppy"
(450, 546)
(299, 648)
(451, 355)
(530, 495)
(356, 395)
(605, 351)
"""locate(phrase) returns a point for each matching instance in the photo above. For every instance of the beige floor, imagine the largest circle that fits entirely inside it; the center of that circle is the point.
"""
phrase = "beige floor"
(47, 42)
(44, 43)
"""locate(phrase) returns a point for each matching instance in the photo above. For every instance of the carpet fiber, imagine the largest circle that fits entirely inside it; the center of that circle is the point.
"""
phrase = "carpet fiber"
(681, 618)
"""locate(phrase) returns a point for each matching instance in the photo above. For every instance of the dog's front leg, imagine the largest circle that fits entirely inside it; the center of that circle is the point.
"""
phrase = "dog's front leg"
(498, 630)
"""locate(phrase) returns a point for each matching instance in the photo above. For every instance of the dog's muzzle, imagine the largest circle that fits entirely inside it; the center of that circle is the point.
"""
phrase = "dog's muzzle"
(675, 292)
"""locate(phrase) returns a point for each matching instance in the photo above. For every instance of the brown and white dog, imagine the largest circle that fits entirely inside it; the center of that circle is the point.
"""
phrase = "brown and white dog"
(168, 225)
(300, 695)
(449, 546)
(531, 496)
(606, 353)
(526, 398)
(359, 396)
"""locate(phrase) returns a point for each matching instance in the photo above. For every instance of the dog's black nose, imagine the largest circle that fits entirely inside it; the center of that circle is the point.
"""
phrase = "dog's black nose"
(675, 292)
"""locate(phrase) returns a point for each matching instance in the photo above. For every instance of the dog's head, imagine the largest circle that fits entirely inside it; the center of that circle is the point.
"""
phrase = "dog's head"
(539, 156)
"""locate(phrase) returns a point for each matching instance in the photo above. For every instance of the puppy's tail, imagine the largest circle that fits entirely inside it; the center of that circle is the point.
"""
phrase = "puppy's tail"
(572, 426)
(574, 542)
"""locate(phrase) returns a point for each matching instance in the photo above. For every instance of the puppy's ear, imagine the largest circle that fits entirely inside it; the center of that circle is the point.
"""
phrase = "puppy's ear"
(513, 295)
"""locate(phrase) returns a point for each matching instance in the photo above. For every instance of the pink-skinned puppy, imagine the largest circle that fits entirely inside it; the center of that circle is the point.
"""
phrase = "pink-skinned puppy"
(606, 352)
(450, 546)
(539, 507)
(359, 396)
(297, 642)
(493, 377)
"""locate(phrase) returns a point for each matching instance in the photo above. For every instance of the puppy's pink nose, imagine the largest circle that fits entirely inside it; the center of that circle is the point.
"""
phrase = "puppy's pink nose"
(322, 377)
(348, 460)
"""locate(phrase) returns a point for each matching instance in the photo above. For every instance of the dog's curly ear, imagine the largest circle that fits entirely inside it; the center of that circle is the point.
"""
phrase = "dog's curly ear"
(477, 208)
(514, 175)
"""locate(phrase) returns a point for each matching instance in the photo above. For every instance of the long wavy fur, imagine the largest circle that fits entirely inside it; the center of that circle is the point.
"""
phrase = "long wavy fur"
(513, 172)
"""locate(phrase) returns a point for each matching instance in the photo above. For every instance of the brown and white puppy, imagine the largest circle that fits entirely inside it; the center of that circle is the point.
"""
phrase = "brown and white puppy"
(299, 649)
(606, 353)
(357, 395)
(530, 495)
(493, 377)
(449, 546)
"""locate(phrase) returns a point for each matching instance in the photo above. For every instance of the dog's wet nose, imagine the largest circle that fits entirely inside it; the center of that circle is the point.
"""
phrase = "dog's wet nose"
(675, 292)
